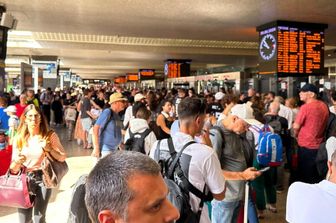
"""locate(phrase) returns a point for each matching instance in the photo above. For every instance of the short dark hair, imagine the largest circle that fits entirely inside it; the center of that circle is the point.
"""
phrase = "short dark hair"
(136, 106)
(143, 113)
(191, 107)
(107, 184)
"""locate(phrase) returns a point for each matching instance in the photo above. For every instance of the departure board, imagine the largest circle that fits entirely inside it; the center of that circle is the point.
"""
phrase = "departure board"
(291, 49)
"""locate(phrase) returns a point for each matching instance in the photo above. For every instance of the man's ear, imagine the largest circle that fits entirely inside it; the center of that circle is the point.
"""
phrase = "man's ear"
(329, 168)
(106, 216)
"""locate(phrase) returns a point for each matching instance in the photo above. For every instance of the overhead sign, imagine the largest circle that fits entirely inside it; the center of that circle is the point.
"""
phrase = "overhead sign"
(132, 77)
(146, 74)
(291, 48)
(175, 68)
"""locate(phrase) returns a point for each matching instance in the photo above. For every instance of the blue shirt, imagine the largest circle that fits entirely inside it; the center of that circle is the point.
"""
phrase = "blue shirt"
(3, 119)
(111, 137)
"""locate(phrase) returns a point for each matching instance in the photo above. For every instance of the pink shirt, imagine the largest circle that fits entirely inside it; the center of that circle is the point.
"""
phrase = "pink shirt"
(312, 118)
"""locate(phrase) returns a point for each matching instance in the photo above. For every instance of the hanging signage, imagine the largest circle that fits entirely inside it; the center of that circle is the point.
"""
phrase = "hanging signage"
(120, 80)
(132, 77)
(291, 48)
(146, 74)
(175, 68)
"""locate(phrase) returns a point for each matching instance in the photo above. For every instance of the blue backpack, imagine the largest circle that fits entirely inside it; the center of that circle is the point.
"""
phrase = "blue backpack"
(269, 151)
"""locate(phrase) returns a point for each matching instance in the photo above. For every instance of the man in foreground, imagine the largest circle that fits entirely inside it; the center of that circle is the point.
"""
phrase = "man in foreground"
(313, 202)
(126, 187)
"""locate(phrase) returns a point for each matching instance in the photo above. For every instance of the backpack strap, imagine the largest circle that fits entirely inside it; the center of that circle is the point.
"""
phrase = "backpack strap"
(177, 158)
(171, 147)
(146, 133)
(107, 121)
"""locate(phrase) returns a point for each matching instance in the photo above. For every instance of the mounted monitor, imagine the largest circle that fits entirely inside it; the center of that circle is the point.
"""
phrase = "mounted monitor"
(291, 48)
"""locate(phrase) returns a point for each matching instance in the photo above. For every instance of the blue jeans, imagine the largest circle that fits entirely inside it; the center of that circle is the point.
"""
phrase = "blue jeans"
(224, 211)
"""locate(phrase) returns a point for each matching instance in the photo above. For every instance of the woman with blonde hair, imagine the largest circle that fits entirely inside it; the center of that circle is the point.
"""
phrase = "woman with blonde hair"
(33, 139)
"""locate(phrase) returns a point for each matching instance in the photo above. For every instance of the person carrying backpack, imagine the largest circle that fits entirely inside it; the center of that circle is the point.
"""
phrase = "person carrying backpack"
(198, 163)
(139, 137)
(235, 150)
(107, 129)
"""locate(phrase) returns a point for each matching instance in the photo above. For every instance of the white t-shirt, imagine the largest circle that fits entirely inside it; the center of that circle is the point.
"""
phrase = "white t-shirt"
(311, 203)
(204, 168)
(287, 113)
(128, 115)
(332, 109)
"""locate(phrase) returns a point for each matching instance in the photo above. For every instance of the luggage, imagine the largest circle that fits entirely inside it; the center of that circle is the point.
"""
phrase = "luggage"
(269, 150)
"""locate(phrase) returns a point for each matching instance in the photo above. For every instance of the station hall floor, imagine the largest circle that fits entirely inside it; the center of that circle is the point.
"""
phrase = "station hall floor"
(80, 162)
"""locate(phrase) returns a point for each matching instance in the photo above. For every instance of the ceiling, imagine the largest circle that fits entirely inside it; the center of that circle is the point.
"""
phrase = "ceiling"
(107, 38)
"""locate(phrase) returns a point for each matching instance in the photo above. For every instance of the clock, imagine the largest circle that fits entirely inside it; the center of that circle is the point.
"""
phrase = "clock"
(267, 47)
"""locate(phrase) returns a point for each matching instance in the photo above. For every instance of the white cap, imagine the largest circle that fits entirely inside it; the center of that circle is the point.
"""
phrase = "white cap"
(139, 97)
(219, 96)
(10, 108)
(245, 111)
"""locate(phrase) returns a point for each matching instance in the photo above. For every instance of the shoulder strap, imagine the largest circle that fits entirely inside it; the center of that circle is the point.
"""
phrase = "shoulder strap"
(171, 147)
(131, 134)
(157, 155)
(177, 158)
(146, 133)
(220, 130)
(107, 121)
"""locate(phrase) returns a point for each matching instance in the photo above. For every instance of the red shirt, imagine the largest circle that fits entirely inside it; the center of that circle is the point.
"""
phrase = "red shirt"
(19, 109)
(312, 118)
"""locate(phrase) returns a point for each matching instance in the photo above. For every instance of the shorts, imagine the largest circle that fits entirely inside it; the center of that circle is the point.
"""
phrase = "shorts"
(86, 123)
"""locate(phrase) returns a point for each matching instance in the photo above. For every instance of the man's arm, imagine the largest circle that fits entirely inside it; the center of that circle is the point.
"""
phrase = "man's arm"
(248, 174)
(95, 141)
(296, 128)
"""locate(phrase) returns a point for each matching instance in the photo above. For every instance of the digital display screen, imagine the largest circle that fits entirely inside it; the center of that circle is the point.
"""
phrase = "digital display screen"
(146, 74)
(292, 49)
(177, 68)
(132, 77)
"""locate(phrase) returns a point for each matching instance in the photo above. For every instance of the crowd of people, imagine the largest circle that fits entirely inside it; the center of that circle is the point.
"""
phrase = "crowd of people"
(225, 127)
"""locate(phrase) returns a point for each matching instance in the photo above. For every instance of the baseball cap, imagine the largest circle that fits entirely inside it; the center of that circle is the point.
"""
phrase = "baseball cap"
(245, 112)
(10, 108)
(139, 97)
(310, 87)
(219, 96)
(117, 97)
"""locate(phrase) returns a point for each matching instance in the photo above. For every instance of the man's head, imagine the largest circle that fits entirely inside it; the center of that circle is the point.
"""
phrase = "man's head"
(181, 93)
(332, 167)
(143, 113)
(118, 102)
(274, 108)
(235, 124)
(87, 92)
(269, 97)
(126, 187)
(308, 92)
(251, 92)
(140, 98)
(192, 114)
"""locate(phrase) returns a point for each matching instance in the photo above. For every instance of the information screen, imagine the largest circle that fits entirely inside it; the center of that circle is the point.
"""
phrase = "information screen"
(146, 74)
(175, 68)
(297, 49)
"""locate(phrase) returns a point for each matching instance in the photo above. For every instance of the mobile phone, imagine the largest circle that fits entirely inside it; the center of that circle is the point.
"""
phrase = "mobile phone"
(264, 169)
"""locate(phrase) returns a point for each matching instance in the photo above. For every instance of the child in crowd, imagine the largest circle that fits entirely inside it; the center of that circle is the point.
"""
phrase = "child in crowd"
(13, 122)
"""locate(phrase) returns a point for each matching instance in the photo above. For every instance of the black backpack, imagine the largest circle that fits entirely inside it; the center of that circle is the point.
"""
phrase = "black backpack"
(78, 212)
(136, 141)
(179, 185)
